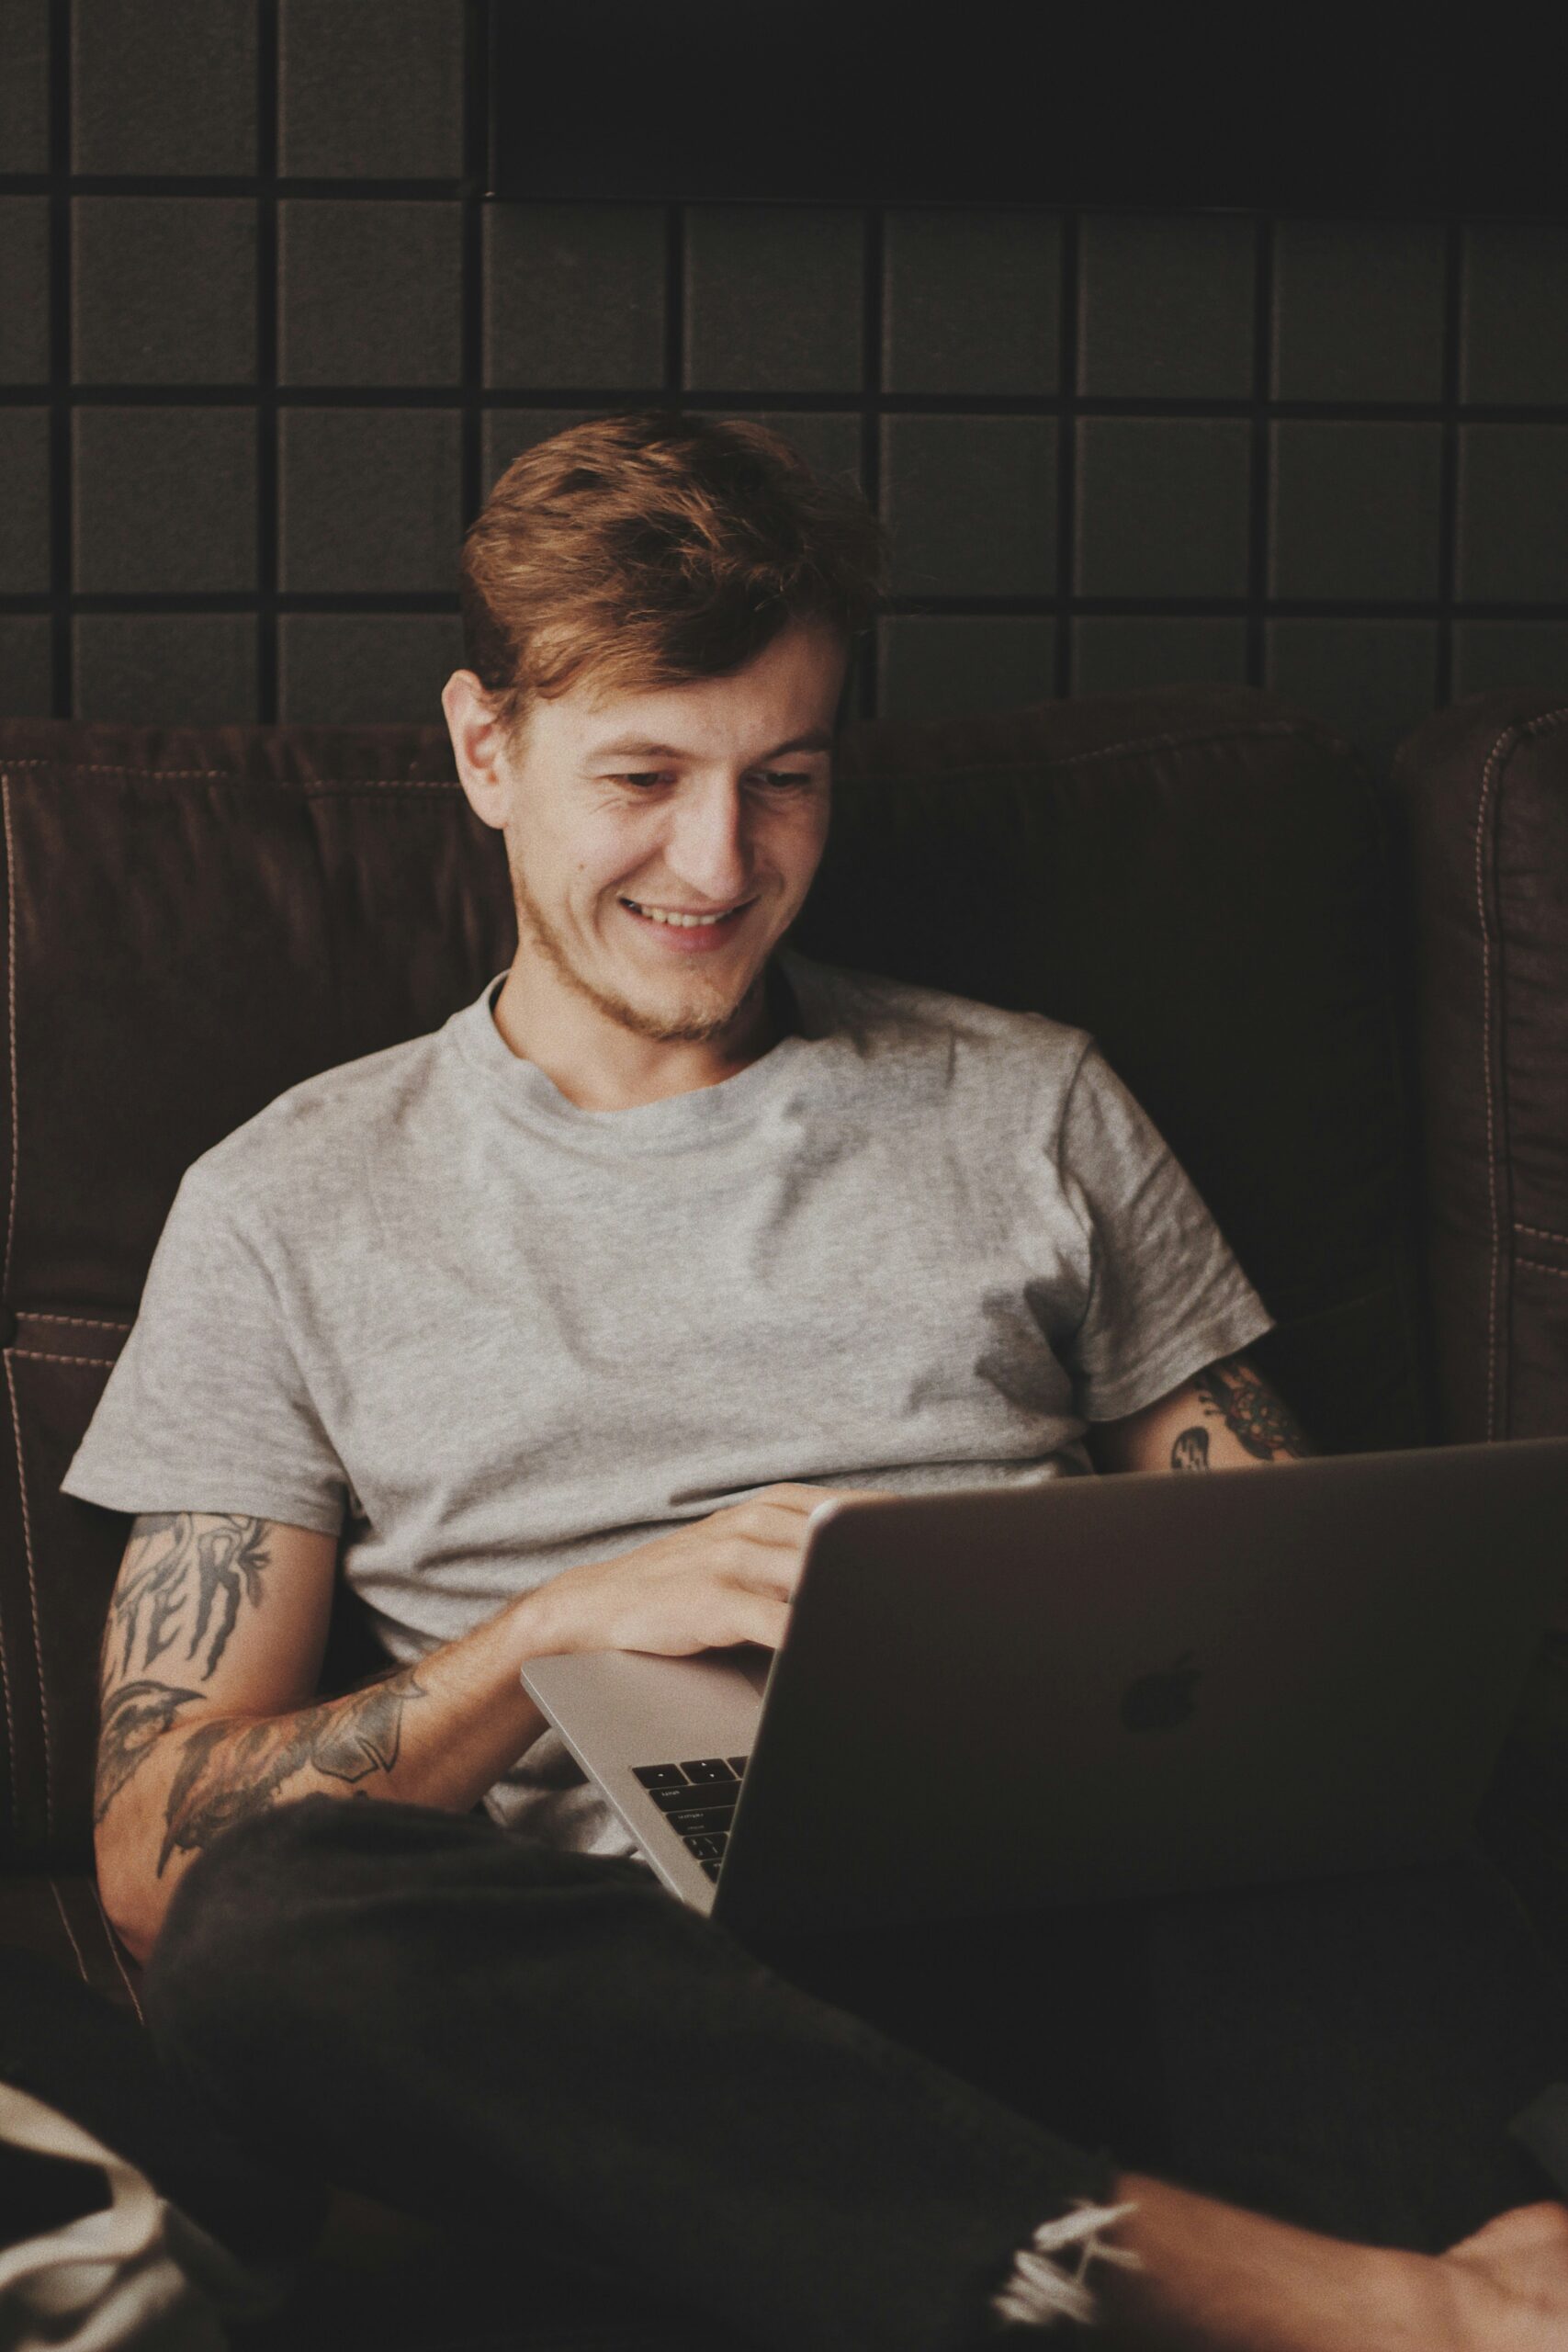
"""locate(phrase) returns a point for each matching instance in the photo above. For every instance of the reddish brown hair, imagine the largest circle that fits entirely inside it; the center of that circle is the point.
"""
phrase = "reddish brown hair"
(653, 549)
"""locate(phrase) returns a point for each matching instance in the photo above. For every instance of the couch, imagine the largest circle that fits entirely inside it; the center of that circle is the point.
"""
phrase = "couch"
(1343, 995)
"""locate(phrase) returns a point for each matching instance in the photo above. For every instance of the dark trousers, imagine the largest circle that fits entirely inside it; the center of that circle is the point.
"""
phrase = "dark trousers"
(840, 2149)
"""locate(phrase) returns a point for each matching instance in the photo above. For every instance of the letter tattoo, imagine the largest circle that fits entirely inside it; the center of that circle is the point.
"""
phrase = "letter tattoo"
(1191, 1450)
(185, 1573)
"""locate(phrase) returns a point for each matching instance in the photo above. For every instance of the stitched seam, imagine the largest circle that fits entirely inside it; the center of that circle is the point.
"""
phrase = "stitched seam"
(32, 1593)
(113, 1942)
(1487, 775)
(1269, 728)
(1540, 1233)
(11, 1025)
(371, 784)
(1540, 1266)
(10, 1729)
(38, 1355)
(87, 1322)
(70, 1932)
(1153, 743)
(1541, 726)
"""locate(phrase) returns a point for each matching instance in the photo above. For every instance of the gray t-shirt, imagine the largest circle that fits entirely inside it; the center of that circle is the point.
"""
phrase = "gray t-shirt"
(425, 1301)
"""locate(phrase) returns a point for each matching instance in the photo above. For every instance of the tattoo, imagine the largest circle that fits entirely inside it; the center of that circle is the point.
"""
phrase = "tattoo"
(1191, 1450)
(175, 1559)
(1256, 1417)
(135, 1718)
(228, 1770)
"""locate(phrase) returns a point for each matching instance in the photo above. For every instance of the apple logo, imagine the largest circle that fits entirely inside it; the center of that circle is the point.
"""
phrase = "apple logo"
(1160, 1702)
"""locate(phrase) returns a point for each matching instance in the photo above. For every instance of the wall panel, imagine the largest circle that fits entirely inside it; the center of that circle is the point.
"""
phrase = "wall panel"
(263, 345)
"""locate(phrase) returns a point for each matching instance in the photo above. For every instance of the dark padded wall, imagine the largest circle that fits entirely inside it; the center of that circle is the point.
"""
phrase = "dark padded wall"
(263, 347)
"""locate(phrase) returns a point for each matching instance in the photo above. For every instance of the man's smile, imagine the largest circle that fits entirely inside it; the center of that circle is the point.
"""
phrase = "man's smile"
(685, 931)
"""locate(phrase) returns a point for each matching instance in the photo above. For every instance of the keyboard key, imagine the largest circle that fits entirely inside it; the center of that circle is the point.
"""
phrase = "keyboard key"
(660, 1775)
(708, 1768)
(708, 1848)
(712, 1869)
(671, 1799)
(738, 1764)
(699, 1824)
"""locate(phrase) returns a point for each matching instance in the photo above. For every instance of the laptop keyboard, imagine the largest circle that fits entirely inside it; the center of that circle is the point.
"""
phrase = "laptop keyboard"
(697, 1799)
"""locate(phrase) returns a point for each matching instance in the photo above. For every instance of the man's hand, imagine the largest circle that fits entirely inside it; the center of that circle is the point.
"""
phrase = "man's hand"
(727, 1578)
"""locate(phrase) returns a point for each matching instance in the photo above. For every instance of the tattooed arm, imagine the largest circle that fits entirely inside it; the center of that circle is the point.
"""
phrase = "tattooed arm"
(1224, 1418)
(212, 1654)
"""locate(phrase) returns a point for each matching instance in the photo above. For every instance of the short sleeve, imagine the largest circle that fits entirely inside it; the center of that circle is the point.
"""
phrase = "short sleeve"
(1166, 1293)
(206, 1408)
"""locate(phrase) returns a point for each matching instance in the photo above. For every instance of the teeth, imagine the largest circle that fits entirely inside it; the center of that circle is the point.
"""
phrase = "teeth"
(681, 922)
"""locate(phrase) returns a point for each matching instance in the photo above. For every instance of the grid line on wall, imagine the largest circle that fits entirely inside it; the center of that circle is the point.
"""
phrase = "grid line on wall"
(873, 266)
(61, 456)
(1260, 451)
(1447, 494)
(1066, 454)
(267, 361)
(475, 138)
(1003, 608)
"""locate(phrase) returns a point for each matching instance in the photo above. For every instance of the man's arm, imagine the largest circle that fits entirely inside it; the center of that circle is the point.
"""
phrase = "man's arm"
(1225, 1418)
(211, 1653)
(214, 1642)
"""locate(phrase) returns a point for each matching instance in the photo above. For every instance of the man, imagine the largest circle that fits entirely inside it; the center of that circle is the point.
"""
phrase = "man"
(550, 1330)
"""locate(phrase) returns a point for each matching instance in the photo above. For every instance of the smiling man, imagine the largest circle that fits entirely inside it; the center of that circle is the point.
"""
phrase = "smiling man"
(546, 1332)
(651, 890)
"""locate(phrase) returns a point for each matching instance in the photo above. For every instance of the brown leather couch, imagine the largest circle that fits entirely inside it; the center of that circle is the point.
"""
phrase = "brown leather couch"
(1343, 998)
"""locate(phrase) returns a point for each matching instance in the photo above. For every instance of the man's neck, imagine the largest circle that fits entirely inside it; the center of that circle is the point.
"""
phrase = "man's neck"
(776, 1015)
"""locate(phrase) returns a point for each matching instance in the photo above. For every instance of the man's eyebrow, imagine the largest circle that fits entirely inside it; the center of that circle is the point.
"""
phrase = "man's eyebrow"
(629, 747)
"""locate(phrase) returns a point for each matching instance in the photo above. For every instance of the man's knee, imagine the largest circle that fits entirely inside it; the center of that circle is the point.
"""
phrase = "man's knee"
(241, 1906)
(295, 1891)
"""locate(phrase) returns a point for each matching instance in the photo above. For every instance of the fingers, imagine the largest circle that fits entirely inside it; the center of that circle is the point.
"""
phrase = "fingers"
(759, 1619)
(808, 1499)
(775, 1524)
(782, 1509)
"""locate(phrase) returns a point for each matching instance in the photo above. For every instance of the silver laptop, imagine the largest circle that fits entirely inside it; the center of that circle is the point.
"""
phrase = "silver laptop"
(1092, 1688)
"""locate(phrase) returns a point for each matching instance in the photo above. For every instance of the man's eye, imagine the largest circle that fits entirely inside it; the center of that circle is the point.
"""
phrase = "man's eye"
(769, 776)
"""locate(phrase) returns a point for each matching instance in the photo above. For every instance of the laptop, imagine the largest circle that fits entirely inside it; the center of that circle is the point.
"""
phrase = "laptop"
(1091, 1688)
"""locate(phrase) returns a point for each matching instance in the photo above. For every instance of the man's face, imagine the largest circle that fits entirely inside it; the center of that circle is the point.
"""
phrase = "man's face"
(695, 799)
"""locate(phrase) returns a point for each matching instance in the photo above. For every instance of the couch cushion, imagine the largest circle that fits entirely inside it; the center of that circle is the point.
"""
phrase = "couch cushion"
(197, 921)
(57, 1917)
(1484, 793)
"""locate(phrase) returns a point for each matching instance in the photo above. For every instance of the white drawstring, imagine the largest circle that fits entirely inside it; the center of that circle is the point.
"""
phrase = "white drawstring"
(1038, 2293)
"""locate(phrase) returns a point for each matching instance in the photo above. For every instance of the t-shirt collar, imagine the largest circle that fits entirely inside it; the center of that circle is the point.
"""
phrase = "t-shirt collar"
(676, 1122)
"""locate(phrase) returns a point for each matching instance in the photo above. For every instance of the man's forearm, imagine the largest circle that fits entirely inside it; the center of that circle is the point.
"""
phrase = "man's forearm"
(173, 1773)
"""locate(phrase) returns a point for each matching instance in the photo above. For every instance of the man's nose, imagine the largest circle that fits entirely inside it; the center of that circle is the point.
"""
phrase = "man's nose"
(708, 846)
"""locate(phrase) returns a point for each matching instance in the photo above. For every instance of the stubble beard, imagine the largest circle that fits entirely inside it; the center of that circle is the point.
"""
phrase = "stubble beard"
(689, 1029)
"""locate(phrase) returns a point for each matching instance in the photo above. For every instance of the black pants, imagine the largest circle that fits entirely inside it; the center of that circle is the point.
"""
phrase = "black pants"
(840, 2150)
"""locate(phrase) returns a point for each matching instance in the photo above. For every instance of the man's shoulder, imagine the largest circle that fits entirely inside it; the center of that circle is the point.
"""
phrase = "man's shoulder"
(911, 1018)
(315, 1137)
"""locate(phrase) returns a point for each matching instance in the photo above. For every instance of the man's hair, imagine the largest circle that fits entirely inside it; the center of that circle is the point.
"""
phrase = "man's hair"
(653, 549)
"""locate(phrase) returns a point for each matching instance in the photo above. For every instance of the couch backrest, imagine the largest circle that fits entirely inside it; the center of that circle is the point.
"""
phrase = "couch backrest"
(1485, 793)
(196, 920)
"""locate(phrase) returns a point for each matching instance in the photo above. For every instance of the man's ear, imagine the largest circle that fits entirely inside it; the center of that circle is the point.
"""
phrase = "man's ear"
(479, 746)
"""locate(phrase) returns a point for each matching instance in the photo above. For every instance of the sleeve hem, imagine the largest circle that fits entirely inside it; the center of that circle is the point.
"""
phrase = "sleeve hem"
(1158, 1375)
(229, 1498)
